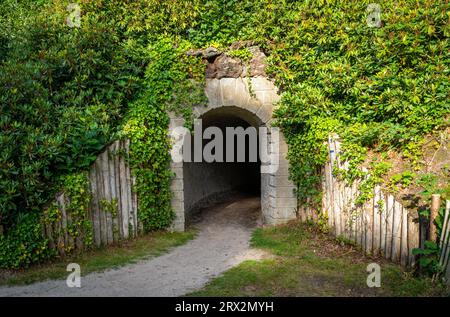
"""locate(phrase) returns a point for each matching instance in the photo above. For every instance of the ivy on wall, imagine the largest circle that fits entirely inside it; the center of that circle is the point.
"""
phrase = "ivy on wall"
(378, 88)
(173, 83)
(76, 188)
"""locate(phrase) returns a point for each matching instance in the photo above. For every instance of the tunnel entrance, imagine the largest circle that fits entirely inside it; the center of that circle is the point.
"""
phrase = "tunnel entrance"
(196, 183)
(209, 183)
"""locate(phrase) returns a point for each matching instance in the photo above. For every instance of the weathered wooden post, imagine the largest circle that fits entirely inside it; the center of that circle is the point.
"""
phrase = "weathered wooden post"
(435, 203)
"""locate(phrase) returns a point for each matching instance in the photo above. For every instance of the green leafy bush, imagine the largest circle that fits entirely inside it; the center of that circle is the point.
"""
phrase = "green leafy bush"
(62, 93)
(428, 257)
(390, 83)
(25, 243)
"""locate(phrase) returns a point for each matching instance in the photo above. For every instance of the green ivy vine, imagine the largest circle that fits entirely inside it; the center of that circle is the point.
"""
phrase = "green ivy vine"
(77, 196)
(173, 83)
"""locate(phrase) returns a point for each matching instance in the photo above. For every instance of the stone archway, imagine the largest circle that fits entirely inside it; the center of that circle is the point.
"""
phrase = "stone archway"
(232, 95)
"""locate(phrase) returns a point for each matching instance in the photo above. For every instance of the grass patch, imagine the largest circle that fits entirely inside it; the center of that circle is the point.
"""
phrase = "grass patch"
(310, 263)
(129, 251)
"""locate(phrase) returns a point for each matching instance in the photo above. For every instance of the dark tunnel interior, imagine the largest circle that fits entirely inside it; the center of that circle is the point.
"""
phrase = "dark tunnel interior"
(206, 183)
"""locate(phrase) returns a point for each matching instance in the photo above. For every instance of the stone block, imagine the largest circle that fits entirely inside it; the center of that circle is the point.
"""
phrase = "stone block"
(177, 225)
(241, 94)
(177, 205)
(280, 181)
(265, 112)
(262, 84)
(270, 97)
(228, 88)
(213, 92)
(177, 184)
(178, 172)
(253, 104)
(286, 213)
(176, 164)
(286, 202)
(282, 170)
(286, 192)
(178, 195)
(280, 221)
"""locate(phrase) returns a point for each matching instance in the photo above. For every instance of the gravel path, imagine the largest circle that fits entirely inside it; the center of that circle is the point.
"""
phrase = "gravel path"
(222, 242)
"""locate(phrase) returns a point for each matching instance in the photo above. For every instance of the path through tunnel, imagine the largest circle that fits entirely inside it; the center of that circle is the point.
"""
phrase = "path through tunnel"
(234, 177)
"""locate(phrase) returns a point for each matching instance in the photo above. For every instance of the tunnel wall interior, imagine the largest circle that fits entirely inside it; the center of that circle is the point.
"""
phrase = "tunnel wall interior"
(205, 183)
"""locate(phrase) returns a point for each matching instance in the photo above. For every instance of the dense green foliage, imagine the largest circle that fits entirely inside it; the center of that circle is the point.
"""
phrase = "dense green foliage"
(24, 244)
(61, 93)
(174, 83)
(65, 93)
(380, 88)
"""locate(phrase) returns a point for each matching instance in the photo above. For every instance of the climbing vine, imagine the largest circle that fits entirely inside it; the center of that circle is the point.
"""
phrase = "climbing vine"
(245, 55)
(76, 188)
(77, 197)
(173, 83)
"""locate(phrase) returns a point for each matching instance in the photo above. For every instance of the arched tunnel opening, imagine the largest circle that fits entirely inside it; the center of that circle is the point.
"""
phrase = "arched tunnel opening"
(237, 175)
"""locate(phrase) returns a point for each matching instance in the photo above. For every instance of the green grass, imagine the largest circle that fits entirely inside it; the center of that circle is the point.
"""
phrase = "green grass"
(130, 251)
(307, 262)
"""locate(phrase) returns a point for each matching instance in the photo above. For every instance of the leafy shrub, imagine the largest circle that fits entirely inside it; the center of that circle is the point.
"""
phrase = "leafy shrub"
(24, 244)
(384, 87)
(428, 257)
(63, 92)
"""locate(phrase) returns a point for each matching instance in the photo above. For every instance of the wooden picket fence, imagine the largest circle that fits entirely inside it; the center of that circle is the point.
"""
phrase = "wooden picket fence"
(113, 206)
(57, 232)
(111, 181)
(444, 243)
(382, 226)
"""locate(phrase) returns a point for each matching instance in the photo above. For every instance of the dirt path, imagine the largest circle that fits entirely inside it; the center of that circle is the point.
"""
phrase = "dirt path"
(222, 242)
